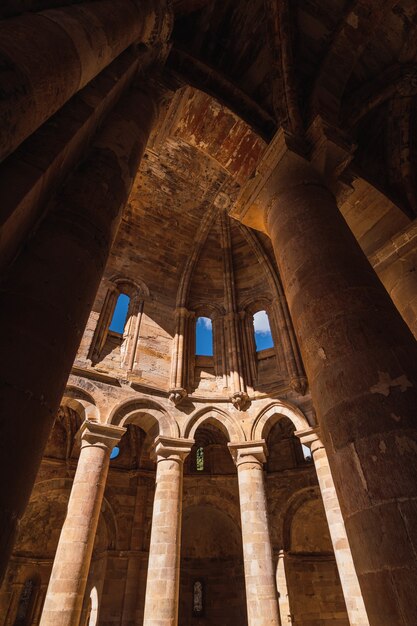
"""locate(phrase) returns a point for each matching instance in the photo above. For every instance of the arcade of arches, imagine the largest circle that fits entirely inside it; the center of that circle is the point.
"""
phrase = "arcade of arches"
(171, 167)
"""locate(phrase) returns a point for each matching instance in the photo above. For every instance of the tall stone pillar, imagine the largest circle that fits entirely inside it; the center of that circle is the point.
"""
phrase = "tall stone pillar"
(395, 263)
(361, 364)
(261, 591)
(346, 568)
(284, 604)
(65, 595)
(162, 585)
(64, 48)
(48, 294)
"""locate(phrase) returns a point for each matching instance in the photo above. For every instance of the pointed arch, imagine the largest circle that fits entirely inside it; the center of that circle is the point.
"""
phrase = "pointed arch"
(222, 419)
(272, 413)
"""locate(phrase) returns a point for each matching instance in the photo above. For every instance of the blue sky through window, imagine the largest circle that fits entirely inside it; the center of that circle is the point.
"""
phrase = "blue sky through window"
(118, 321)
(263, 335)
(114, 453)
(204, 337)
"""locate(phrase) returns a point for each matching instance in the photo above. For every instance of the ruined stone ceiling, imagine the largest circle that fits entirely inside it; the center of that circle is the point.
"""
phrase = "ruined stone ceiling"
(195, 162)
(280, 62)
(265, 63)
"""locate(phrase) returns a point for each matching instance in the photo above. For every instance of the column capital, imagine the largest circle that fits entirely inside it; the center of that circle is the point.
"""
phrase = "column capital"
(289, 161)
(248, 452)
(171, 448)
(93, 433)
(310, 437)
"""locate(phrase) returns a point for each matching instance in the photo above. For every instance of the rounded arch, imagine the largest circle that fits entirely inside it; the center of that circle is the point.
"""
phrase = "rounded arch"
(273, 412)
(253, 305)
(147, 414)
(134, 287)
(298, 500)
(219, 418)
(207, 309)
(82, 402)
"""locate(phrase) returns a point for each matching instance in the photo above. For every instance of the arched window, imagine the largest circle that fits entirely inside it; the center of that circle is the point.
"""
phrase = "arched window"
(262, 331)
(118, 321)
(199, 459)
(204, 337)
(26, 603)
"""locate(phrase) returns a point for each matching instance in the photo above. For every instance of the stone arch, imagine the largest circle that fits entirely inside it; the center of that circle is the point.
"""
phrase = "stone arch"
(220, 418)
(296, 501)
(50, 486)
(147, 414)
(136, 286)
(273, 412)
(82, 402)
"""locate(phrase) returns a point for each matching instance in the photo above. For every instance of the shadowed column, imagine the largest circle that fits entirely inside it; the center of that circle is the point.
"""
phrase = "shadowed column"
(162, 584)
(361, 364)
(65, 595)
(46, 57)
(48, 294)
(261, 591)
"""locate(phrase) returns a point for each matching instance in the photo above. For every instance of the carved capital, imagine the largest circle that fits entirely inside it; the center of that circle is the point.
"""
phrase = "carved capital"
(332, 151)
(177, 395)
(105, 435)
(248, 452)
(169, 448)
(310, 437)
(255, 196)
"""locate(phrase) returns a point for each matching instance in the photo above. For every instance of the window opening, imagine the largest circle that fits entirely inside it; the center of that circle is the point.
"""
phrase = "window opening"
(25, 604)
(118, 322)
(114, 453)
(204, 337)
(198, 599)
(262, 329)
(199, 459)
(306, 452)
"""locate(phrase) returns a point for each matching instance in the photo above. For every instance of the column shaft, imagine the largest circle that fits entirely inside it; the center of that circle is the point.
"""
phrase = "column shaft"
(346, 568)
(63, 49)
(284, 604)
(48, 294)
(261, 591)
(361, 362)
(162, 585)
(65, 595)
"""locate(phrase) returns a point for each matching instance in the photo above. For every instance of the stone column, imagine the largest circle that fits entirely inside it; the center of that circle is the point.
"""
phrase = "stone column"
(55, 48)
(396, 265)
(261, 591)
(45, 304)
(65, 595)
(284, 604)
(162, 585)
(346, 568)
(361, 364)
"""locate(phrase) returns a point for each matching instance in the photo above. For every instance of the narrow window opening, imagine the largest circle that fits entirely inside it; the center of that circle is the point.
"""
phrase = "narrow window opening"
(204, 337)
(198, 599)
(262, 330)
(199, 460)
(114, 453)
(118, 322)
(306, 453)
(25, 604)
